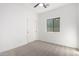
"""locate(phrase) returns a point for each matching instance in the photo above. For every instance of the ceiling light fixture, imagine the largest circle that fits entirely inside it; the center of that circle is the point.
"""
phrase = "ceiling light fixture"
(42, 5)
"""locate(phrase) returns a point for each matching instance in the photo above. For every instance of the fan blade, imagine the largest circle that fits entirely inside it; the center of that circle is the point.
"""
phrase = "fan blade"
(44, 5)
(36, 5)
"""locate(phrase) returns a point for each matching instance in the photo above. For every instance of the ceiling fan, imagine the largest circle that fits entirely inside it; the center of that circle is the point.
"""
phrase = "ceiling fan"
(41, 4)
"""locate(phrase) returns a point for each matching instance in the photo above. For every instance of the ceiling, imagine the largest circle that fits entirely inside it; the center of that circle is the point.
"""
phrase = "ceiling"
(40, 9)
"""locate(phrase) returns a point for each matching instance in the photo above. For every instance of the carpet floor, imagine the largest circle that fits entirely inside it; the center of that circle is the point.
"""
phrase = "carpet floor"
(41, 48)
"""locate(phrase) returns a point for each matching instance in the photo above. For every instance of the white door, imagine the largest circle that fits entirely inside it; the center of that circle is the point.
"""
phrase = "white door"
(31, 28)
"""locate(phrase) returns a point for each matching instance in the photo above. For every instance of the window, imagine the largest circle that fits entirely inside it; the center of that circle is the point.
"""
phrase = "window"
(53, 25)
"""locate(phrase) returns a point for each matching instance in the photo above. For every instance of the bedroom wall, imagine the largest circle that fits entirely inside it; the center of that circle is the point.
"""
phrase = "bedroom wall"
(15, 22)
(78, 25)
(68, 26)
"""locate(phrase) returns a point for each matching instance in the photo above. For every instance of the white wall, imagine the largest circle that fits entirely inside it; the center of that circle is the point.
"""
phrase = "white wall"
(78, 25)
(68, 26)
(13, 26)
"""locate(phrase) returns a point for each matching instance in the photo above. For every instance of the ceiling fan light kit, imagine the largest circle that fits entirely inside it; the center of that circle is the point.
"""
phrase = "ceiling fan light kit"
(45, 5)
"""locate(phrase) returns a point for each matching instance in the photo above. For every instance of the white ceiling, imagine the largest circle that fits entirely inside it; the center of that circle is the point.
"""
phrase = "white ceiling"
(40, 9)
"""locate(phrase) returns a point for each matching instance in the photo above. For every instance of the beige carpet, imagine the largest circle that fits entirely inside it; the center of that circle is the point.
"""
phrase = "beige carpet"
(41, 48)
